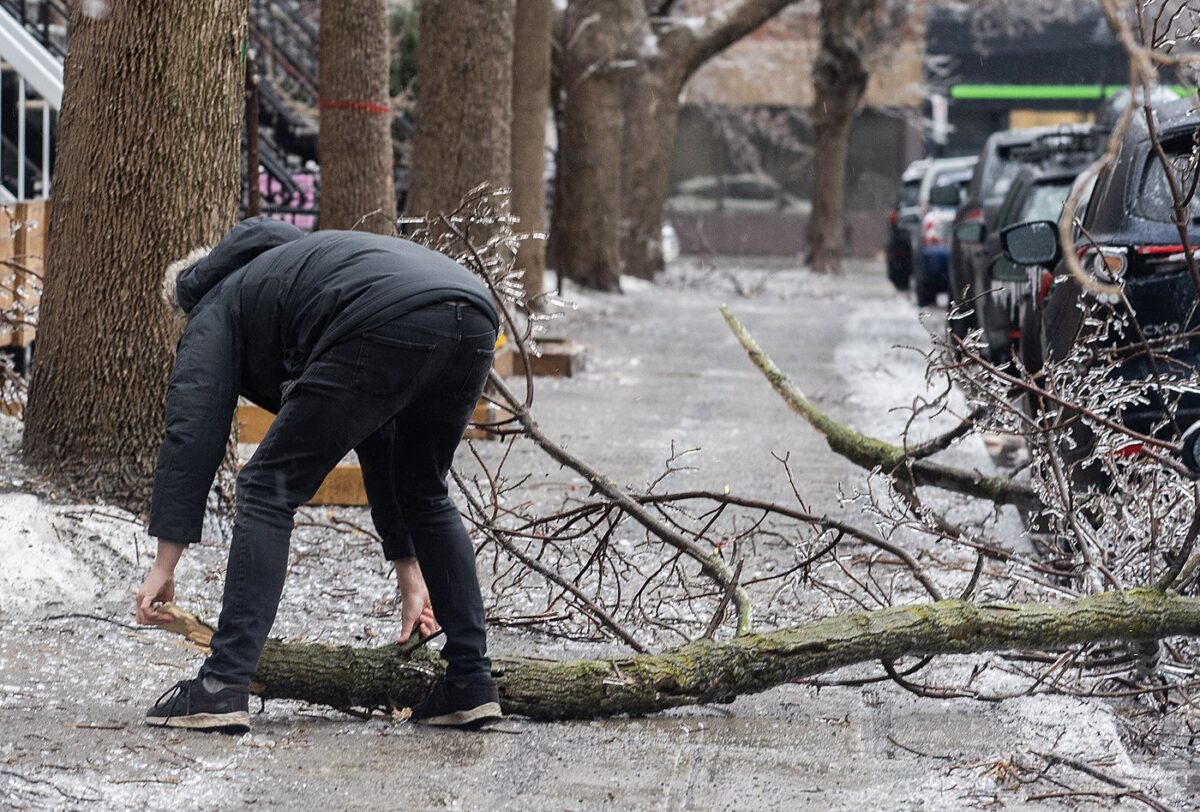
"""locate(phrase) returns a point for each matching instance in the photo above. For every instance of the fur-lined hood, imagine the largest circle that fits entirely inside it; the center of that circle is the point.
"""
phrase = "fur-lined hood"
(189, 278)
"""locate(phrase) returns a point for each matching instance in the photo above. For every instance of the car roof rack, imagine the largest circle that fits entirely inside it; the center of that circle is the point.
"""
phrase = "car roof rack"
(1064, 148)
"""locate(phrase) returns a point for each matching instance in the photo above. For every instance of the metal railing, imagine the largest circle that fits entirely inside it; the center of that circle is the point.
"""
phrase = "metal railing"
(45, 19)
(31, 41)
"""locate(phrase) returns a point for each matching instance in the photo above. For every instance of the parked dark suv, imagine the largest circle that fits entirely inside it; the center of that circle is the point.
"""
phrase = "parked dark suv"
(1128, 236)
(1002, 286)
(1003, 156)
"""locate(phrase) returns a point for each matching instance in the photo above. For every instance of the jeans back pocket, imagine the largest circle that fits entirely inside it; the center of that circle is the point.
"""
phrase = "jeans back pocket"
(388, 366)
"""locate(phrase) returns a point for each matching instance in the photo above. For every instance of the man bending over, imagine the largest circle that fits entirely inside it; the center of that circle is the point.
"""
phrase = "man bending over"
(356, 341)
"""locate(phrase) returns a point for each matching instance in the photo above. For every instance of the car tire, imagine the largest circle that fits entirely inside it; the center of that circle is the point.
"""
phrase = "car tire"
(926, 292)
(899, 269)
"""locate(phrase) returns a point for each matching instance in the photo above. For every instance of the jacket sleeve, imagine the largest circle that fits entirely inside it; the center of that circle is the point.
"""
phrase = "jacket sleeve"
(201, 400)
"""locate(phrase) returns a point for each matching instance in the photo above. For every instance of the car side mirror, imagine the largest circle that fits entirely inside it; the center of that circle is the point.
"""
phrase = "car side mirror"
(944, 196)
(1034, 243)
(970, 232)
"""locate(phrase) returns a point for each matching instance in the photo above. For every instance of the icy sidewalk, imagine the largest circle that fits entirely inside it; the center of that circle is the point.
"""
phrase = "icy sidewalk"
(663, 368)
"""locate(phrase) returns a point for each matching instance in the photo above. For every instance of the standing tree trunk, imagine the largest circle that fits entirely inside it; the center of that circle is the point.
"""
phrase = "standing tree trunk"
(651, 116)
(594, 47)
(530, 100)
(464, 101)
(647, 61)
(839, 81)
(357, 187)
(159, 86)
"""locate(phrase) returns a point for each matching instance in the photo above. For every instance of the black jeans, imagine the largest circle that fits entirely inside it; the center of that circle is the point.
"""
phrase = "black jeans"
(402, 395)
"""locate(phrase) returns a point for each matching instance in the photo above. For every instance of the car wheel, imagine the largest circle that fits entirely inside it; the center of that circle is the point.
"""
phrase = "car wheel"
(925, 291)
(899, 269)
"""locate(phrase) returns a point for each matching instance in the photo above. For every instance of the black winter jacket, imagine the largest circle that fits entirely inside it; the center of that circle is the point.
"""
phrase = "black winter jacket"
(265, 303)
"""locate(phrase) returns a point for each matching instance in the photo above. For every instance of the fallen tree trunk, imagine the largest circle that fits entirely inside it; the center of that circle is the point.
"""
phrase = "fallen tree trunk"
(869, 452)
(706, 672)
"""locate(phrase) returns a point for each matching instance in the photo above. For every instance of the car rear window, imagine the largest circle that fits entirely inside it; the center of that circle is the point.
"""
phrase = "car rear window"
(909, 192)
(1000, 175)
(1154, 201)
(952, 177)
(1046, 201)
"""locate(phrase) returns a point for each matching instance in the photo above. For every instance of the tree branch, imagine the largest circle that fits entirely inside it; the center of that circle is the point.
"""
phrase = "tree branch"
(706, 672)
(709, 560)
(869, 452)
(721, 28)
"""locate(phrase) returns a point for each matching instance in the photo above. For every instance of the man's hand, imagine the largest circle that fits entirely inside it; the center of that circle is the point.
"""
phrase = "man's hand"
(159, 586)
(416, 612)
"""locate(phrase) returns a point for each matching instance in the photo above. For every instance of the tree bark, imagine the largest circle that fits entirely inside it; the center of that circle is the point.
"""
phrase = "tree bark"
(707, 672)
(614, 171)
(147, 169)
(464, 101)
(530, 102)
(595, 49)
(651, 120)
(839, 82)
(357, 184)
(652, 114)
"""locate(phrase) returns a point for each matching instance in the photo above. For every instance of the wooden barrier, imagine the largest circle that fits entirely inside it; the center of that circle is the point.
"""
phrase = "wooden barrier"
(22, 263)
(560, 357)
(344, 485)
(23, 259)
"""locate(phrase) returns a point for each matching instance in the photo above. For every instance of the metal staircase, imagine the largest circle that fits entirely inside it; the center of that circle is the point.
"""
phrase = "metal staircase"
(32, 47)
(283, 44)
(283, 39)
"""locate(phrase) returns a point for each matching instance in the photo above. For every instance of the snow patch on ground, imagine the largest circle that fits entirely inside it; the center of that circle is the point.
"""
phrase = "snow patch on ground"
(39, 569)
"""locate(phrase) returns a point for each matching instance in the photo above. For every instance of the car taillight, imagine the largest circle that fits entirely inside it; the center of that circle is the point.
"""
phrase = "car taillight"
(930, 238)
(1108, 264)
(1129, 451)
(1156, 250)
(893, 217)
(1165, 258)
(1044, 286)
(973, 214)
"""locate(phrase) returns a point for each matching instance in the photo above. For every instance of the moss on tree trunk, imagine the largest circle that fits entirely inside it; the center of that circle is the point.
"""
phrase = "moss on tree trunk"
(869, 452)
(706, 672)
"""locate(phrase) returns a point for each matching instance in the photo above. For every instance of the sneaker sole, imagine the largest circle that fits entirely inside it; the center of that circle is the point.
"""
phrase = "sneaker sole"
(487, 712)
(233, 722)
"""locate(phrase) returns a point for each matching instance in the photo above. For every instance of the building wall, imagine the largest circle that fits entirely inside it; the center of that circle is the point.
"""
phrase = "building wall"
(1056, 69)
(745, 123)
(772, 66)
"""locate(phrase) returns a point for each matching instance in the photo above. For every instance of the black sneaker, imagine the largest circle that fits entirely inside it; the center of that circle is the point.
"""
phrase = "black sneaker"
(190, 705)
(451, 704)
